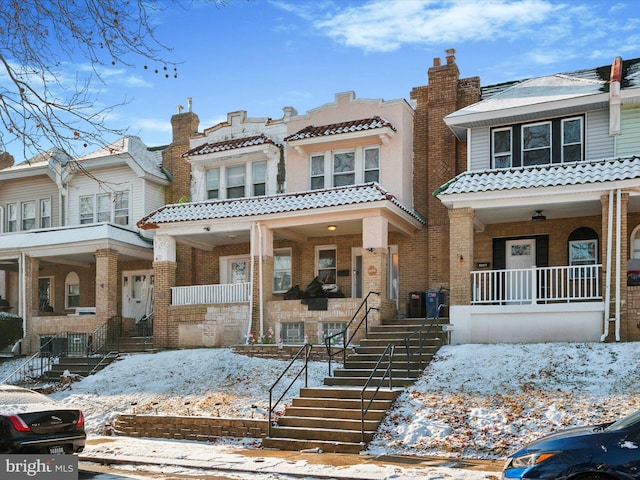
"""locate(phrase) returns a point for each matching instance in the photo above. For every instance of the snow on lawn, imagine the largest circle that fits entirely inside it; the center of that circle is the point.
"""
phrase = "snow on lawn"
(474, 401)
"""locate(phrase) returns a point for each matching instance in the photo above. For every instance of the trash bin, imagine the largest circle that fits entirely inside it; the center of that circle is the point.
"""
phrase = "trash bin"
(434, 298)
(416, 305)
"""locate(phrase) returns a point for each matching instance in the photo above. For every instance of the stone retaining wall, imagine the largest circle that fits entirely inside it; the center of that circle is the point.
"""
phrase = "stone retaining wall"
(202, 429)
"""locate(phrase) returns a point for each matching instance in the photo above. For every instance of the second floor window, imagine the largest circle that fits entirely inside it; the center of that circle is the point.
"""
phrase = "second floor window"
(259, 178)
(45, 213)
(108, 207)
(541, 143)
(213, 183)
(12, 217)
(344, 167)
(235, 181)
(28, 215)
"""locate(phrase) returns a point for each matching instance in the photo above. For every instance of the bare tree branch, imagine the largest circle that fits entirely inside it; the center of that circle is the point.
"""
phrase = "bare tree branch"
(40, 40)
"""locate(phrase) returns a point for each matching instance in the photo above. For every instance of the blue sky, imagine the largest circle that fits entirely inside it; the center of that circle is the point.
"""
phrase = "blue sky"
(263, 55)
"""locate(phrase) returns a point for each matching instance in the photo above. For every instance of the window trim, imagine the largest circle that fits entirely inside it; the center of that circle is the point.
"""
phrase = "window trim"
(321, 248)
(563, 144)
(495, 154)
(12, 222)
(43, 202)
(285, 326)
(328, 175)
(210, 195)
(548, 148)
(24, 218)
(71, 280)
(289, 252)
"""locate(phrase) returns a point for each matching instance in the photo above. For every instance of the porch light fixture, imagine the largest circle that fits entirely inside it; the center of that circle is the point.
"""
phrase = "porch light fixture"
(332, 228)
(538, 216)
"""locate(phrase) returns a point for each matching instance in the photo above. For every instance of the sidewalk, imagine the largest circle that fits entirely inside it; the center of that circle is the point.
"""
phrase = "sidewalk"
(178, 455)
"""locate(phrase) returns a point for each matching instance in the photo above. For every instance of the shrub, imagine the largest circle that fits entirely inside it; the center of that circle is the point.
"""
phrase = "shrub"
(10, 329)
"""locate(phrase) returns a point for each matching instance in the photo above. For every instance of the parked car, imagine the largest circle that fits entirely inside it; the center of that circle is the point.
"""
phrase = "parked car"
(609, 451)
(31, 422)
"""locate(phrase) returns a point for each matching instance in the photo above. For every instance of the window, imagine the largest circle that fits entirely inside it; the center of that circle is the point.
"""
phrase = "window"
(317, 172)
(344, 169)
(501, 148)
(326, 264)
(541, 143)
(536, 144)
(45, 300)
(259, 178)
(86, 209)
(281, 270)
(28, 215)
(572, 140)
(45, 213)
(292, 332)
(371, 165)
(121, 208)
(235, 181)
(582, 253)
(72, 290)
(103, 211)
(213, 183)
(331, 328)
(12, 217)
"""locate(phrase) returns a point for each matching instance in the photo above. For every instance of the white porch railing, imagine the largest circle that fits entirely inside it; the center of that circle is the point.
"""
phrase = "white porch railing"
(536, 285)
(211, 294)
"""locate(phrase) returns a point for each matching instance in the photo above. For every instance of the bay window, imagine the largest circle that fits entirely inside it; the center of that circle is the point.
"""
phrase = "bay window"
(344, 167)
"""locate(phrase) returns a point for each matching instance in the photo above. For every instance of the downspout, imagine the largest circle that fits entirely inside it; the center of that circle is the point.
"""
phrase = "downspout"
(251, 284)
(618, 259)
(260, 280)
(22, 304)
(607, 295)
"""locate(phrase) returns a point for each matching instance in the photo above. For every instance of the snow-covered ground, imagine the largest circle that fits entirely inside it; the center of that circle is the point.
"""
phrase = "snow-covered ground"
(473, 401)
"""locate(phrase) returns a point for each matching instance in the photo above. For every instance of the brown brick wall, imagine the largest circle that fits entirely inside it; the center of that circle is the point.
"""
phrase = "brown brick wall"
(202, 429)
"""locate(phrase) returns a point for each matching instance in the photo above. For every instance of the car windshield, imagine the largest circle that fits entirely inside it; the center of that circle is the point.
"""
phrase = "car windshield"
(625, 422)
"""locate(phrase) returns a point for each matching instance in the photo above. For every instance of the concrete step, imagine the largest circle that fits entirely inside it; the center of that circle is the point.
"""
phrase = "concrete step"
(347, 393)
(396, 372)
(292, 444)
(344, 413)
(353, 404)
(325, 434)
(320, 423)
(400, 382)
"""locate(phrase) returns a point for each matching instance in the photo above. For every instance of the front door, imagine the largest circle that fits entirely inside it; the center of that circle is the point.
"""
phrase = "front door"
(136, 293)
(520, 256)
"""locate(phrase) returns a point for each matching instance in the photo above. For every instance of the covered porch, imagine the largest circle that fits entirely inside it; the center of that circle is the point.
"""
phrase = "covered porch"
(542, 262)
(241, 266)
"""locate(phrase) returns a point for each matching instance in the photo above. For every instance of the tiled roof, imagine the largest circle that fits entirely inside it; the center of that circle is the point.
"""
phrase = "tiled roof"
(544, 176)
(231, 144)
(337, 128)
(290, 202)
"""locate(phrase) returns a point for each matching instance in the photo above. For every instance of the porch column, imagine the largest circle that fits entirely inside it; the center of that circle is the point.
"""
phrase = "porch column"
(628, 314)
(106, 284)
(31, 268)
(262, 277)
(460, 255)
(375, 253)
(165, 332)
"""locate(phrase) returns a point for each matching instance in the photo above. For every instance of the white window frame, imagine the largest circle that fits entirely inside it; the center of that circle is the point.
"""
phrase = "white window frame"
(549, 147)
(322, 248)
(257, 182)
(45, 212)
(330, 328)
(279, 286)
(238, 167)
(580, 143)
(26, 217)
(71, 290)
(90, 201)
(347, 173)
(120, 210)
(284, 329)
(212, 185)
(508, 153)
(370, 170)
(103, 208)
(12, 217)
(588, 262)
(328, 175)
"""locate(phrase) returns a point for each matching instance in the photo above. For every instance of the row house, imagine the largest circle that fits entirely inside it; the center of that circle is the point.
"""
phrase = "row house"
(71, 256)
(545, 217)
(274, 204)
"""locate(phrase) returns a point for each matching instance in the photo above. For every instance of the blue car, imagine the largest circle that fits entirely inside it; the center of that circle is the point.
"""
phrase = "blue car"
(610, 451)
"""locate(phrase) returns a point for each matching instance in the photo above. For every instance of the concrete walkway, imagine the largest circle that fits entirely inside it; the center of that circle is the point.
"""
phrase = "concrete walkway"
(170, 454)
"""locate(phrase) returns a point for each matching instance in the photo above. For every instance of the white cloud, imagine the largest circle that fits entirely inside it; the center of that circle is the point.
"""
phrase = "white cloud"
(383, 25)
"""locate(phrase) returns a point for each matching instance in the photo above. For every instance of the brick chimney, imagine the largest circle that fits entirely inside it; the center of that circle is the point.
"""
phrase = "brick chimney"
(6, 160)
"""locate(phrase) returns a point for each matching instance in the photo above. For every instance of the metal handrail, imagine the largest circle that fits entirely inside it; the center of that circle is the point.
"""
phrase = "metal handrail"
(27, 366)
(390, 350)
(307, 352)
(343, 333)
(422, 335)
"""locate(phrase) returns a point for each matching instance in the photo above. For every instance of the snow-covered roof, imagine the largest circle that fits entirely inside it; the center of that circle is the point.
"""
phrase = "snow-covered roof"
(338, 128)
(576, 173)
(290, 202)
